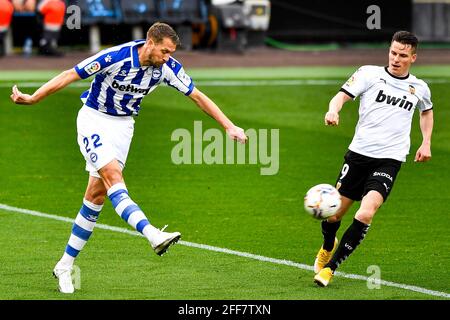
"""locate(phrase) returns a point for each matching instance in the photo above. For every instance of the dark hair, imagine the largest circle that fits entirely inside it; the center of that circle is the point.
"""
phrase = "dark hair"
(406, 37)
(159, 31)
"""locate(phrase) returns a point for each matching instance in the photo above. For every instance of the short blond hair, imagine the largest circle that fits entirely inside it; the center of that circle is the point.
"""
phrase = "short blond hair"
(159, 31)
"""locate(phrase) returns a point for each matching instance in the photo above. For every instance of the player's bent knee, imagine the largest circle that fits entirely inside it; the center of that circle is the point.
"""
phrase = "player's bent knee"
(345, 205)
(111, 174)
(98, 198)
(372, 200)
(365, 215)
(96, 192)
(98, 195)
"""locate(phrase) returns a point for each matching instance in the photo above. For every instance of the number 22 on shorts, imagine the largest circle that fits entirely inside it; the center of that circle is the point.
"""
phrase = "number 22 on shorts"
(95, 139)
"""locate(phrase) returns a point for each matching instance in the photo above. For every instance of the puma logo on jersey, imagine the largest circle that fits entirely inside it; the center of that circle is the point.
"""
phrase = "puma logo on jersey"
(129, 88)
(402, 103)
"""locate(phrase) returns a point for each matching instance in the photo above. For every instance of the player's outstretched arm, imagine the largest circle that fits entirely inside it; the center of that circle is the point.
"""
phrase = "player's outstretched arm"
(207, 105)
(57, 83)
(332, 116)
(423, 154)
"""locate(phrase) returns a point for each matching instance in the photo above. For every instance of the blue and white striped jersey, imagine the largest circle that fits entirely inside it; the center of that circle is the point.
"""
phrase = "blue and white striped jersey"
(121, 83)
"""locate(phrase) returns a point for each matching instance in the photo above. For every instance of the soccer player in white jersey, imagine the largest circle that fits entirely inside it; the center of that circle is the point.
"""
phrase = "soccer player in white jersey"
(388, 97)
(124, 75)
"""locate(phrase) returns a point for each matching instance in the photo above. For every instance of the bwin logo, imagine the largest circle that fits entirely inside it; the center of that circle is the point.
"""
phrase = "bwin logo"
(405, 104)
(129, 88)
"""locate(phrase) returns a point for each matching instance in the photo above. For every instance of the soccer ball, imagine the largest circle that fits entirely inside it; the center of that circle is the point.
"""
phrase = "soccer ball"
(322, 201)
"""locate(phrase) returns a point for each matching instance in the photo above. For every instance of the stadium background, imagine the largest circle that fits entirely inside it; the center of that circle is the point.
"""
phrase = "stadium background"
(305, 49)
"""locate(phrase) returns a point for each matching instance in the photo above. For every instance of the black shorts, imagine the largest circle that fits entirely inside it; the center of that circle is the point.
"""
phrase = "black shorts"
(360, 174)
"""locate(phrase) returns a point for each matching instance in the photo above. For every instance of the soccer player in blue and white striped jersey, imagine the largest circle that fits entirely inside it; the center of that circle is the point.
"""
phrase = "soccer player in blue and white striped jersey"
(123, 76)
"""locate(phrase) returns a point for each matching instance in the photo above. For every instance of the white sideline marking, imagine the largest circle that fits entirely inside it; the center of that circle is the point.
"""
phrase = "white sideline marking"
(232, 252)
(227, 83)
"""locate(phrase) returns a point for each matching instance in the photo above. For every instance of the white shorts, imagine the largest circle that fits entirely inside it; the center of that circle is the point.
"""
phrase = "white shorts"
(103, 138)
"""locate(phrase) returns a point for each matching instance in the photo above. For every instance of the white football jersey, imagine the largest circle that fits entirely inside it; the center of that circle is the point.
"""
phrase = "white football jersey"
(386, 109)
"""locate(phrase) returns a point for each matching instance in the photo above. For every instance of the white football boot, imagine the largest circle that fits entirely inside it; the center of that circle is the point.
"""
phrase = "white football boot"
(63, 274)
(162, 240)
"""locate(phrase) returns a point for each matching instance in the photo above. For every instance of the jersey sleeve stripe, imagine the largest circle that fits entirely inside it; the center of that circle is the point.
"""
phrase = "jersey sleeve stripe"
(175, 87)
(347, 93)
(104, 59)
(191, 88)
(81, 73)
(85, 62)
(102, 62)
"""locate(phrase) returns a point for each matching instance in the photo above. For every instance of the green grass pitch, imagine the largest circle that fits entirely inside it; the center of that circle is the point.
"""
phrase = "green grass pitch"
(225, 206)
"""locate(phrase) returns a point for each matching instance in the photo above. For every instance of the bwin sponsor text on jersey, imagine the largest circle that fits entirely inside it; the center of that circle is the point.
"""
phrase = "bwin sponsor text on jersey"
(402, 103)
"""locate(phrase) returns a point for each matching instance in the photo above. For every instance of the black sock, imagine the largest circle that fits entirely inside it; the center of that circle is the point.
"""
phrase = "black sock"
(329, 233)
(350, 240)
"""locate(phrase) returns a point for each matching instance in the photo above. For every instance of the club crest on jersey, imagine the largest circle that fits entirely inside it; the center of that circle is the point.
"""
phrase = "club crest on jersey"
(156, 74)
(92, 67)
(400, 102)
(412, 90)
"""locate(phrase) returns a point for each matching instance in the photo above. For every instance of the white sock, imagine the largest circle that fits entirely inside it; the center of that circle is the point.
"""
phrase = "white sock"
(81, 231)
(130, 212)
